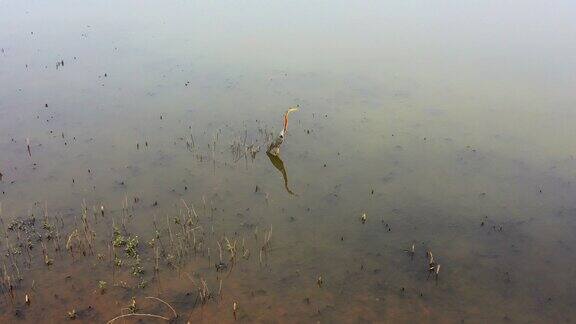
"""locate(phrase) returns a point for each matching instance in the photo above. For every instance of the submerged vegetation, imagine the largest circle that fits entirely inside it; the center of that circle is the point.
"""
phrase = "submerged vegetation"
(172, 248)
(104, 242)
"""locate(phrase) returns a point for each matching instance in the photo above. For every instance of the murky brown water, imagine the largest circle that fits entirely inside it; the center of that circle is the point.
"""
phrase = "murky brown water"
(449, 124)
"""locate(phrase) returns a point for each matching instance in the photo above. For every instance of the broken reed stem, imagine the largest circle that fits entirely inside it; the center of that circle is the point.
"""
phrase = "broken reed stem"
(28, 146)
(267, 237)
(8, 281)
(214, 155)
(170, 232)
(69, 243)
(231, 249)
(220, 249)
(87, 231)
(260, 257)
(157, 259)
(220, 290)
(188, 211)
(57, 240)
(204, 205)
(157, 232)
(204, 291)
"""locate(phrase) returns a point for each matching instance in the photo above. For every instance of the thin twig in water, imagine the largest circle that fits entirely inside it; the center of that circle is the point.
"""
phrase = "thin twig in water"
(138, 314)
(165, 303)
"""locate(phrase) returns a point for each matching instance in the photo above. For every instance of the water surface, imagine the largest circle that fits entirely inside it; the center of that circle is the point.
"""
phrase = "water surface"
(448, 124)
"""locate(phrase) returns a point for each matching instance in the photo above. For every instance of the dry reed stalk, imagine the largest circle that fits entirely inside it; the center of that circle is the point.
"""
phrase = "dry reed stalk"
(170, 232)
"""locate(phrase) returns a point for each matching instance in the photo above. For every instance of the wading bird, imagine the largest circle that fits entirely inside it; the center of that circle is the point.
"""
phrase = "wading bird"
(274, 147)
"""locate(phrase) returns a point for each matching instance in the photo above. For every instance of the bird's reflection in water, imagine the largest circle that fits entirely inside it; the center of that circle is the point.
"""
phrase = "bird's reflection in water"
(279, 164)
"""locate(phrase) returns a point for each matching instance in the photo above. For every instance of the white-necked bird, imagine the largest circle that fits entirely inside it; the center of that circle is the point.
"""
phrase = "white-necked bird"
(274, 147)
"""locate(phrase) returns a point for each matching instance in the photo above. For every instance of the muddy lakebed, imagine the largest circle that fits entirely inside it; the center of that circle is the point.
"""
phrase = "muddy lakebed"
(427, 176)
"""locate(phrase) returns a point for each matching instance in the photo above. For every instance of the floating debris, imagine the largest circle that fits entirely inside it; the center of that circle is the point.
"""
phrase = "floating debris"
(363, 218)
(411, 251)
(28, 146)
(102, 286)
(433, 267)
(72, 314)
(221, 266)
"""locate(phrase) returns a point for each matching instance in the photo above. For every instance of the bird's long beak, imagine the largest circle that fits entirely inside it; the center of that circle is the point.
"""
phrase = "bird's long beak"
(286, 117)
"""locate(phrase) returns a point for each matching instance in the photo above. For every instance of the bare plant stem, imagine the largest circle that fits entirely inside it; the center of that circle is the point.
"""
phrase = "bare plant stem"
(138, 314)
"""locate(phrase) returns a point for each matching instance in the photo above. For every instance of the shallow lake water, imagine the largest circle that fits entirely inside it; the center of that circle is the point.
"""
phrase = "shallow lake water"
(133, 163)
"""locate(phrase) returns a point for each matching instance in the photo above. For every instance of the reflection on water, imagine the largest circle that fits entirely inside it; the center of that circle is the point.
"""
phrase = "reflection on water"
(129, 139)
(279, 164)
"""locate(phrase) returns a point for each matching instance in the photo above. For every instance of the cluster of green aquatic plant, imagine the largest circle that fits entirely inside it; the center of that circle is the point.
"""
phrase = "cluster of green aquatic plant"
(131, 247)
(50, 230)
(47, 226)
(130, 243)
(185, 237)
(119, 239)
(117, 262)
(102, 286)
(137, 269)
(14, 251)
